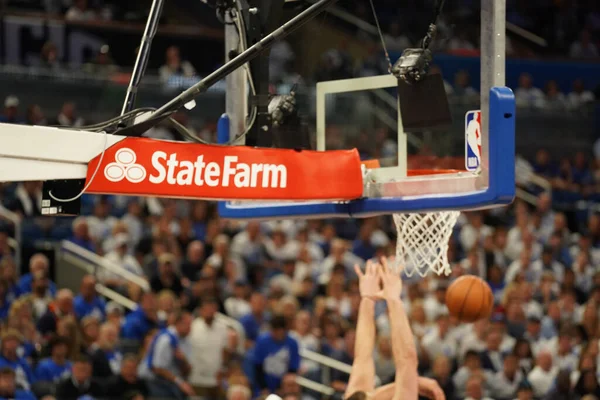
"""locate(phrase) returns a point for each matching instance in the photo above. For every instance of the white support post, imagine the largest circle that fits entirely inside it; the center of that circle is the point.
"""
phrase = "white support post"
(236, 96)
(493, 66)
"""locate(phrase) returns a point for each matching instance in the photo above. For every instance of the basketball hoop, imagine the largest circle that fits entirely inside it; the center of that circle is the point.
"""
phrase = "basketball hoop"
(422, 244)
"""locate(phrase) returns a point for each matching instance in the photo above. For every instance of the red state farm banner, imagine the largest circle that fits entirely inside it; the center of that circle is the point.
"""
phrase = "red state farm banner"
(147, 167)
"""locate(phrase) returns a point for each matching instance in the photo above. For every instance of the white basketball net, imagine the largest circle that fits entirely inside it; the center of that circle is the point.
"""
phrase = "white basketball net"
(422, 244)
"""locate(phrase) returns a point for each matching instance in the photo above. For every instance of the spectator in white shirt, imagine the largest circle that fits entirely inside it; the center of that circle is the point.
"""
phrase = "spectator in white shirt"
(209, 340)
(584, 47)
(133, 220)
(543, 374)
(471, 366)
(507, 342)
(418, 319)
(475, 339)
(339, 254)
(533, 330)
(460, 42)
(120, 258)
(101, 222)
(287, 278)
(395, 39)
(584, 272)
(237, 306)
(546, 214)
(282, 54)
(463, 88)
(568, 307)
(579, 96)
(498, 248)
(175, 66)
(474, 232)
(439, 342)
(555, 99)
(302, 332)
(527, 95)
(435, 303)
(278, 248)
(303, 243)
(474, 389)
(248, 243)
(491, 357)
(504, 383)
(563, 352)
(546, 264)
(514, 239)
(519, 267)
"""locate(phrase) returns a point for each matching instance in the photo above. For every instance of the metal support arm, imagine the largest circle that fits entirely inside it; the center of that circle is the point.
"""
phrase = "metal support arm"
(248, 55)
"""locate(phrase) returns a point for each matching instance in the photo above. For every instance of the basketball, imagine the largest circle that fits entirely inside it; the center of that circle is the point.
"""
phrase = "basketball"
(469, 298)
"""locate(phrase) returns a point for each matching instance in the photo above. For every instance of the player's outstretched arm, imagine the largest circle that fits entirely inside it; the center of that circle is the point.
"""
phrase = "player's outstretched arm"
(403, 342)
(362, 377)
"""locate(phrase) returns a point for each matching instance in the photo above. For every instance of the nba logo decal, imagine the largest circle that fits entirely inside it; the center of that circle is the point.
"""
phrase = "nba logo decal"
(473, 140)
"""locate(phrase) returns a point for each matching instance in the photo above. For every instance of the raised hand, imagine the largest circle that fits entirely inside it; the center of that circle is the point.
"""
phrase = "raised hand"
(390, 280)
(431, 389)
(369, 281)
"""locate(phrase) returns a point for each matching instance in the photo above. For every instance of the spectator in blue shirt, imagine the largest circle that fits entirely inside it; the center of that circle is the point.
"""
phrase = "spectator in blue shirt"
(8, 386)
(81, 234)
(9, 358)
(275, 355)
(55, 367)
(38, 264)
(87, 302)
(254, 321)
(362, 246)
(142, 320)
(165, 364)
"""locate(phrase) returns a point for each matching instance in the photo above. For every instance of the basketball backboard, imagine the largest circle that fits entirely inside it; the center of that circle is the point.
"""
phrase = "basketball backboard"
(487, 179)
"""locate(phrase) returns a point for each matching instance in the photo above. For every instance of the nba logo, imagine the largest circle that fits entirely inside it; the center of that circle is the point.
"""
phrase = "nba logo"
(473, 140)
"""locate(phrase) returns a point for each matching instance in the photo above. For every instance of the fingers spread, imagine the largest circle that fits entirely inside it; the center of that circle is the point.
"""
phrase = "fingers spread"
(369, 267)
(384, 262)
(357, 270)
(381, 273)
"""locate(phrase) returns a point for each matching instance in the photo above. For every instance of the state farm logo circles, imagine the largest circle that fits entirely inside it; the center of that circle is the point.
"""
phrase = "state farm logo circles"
(125, 167)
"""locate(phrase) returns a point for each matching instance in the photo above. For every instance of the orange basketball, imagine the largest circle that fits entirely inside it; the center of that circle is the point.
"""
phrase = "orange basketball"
(469, 298)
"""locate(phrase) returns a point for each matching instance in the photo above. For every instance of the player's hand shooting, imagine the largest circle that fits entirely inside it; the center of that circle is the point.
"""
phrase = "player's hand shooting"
(369, 281)
(431, 389)
(390, 280)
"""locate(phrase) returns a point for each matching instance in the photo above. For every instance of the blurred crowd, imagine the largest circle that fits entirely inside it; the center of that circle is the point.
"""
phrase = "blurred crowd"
(291, 287)
(229, 310)
(573, 179)
(83, 10)
(570, 26)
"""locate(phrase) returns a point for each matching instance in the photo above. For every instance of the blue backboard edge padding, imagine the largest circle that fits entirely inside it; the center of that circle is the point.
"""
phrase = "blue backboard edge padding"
(501, 189)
